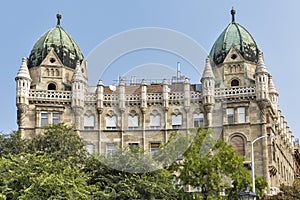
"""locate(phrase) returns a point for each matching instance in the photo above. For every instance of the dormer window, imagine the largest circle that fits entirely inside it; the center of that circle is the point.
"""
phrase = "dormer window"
(235, 83)
(51, 86)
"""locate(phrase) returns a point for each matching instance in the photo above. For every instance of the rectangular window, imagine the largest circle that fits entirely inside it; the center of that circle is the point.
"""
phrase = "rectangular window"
(155, 121)
(176, 121)
(198, 120)
(111, 122)
(230, 115)
(55, 117)
(241, 115)
(89, 148)
(44, 119)
(133, 122)
(110, 149)
(154, 148)
(88, 122)
(133, 146)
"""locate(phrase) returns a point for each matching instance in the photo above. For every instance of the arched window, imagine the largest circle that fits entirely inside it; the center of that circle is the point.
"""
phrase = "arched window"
(51, 86)
(238, 144)
(89, 122)
(235, 83)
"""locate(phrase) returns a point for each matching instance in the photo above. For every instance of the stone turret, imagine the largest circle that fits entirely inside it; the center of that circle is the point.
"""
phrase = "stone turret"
(23, 81)
(261, 79)
(262, 85)
(187, 95)
(100, 95)
(122, 97)
(208, 90)
(79, 84)
(143, 96)
(166, 91)
(273, 93)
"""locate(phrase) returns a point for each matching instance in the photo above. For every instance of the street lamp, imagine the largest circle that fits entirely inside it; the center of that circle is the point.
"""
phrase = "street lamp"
(247, 195)
(252, 158)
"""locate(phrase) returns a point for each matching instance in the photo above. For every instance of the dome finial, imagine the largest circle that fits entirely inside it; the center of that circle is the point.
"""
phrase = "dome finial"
(58, 16)
(233, 13)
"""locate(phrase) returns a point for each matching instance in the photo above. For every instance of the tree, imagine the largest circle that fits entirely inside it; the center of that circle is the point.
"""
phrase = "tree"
(116, 184)
(288, 192)
(39, 176)
(11, 143)
(60, 142)
(211, 163)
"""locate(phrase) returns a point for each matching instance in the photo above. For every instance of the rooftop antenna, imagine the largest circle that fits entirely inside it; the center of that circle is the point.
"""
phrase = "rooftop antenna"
(178, 71)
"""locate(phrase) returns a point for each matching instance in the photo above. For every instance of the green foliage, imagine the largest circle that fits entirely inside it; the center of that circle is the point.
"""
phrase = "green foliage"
(60, 142)
(213, 163)
(11, 143)
(115, 184)
(36, 176)
(288, 192)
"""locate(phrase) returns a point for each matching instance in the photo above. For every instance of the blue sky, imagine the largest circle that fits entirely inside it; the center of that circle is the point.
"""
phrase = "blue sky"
(274, 26)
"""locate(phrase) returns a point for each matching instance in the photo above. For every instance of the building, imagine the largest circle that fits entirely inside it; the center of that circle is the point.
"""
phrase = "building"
(236, 97)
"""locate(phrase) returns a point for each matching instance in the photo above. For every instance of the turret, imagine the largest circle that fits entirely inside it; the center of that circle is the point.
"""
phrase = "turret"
(78, 91)
(23, 81)
(187, 96)
(208, 90)
(273, 93)
(143, 96)
(122, 97)
(100, 96)
(166, 91)
(261, 79)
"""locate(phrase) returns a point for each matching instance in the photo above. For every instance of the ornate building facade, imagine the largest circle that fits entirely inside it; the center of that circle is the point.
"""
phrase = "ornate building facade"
(235, 96)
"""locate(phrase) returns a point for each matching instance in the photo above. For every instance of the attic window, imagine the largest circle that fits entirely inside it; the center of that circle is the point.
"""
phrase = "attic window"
(234, 83)
(233, 56)
(52, 60)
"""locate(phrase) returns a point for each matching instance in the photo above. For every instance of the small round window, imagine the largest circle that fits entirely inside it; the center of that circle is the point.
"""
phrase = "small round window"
(233, 56)
(52, 60)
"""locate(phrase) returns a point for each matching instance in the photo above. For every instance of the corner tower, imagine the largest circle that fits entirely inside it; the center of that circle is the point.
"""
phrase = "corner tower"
(234, 56)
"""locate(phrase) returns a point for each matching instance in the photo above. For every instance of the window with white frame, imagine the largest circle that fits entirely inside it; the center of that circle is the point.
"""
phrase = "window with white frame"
(89, 148)
(241, 114)
(155, 121)
(198, 120)
(48, 117)
(154, 148)
(110, 149)
(230, 115)
(111, 122)
(133, 122)
(176, 121)
(89, 122)
(55, 117)
(44, 118)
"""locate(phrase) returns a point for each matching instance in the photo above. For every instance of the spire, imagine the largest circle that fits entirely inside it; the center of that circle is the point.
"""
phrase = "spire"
(208, 73)
(232, 14)
(260, 66)
(23, 71)
(58, 16)
(272, 88)
(78, 76)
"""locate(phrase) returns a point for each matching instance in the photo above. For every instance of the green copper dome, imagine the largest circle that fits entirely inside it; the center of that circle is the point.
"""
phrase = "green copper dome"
(62, 43)
(237, 35)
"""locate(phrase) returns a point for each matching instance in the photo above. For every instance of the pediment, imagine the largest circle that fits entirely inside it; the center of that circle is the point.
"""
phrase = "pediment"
(52, 59)
(233, 55)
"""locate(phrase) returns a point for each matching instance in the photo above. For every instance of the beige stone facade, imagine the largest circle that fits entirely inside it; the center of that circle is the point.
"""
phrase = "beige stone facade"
(235, 97)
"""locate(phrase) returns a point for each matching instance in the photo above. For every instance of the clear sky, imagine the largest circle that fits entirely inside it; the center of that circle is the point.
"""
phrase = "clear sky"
(273, 24)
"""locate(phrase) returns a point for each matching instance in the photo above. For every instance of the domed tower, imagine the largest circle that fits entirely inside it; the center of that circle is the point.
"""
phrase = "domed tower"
(234, 56)
(53, 58)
